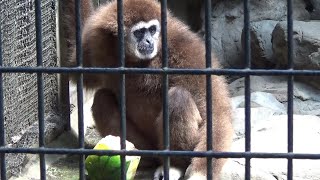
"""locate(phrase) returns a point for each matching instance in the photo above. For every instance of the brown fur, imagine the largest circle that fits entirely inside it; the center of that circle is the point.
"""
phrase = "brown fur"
(187, 93)
(69, 20)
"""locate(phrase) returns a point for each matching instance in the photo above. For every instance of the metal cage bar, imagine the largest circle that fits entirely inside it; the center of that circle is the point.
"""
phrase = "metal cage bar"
(178, 71)
(40, 87)
(165, 89)
(2, 128)
(247, 58)
(79, 60)
(208, 47)
(290, 88)
(155, 153)
(121, 52)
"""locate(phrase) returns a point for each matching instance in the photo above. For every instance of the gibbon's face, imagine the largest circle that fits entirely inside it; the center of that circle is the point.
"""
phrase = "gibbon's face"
(143, 39)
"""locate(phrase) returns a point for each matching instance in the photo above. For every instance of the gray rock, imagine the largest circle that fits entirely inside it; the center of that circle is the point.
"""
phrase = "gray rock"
(263, 105)
(306, 42)
(299, 10)
(227, 24)
(234, 169)
(306, 51)
(261, 46)
(306, 98)
(271, 136)
(274, 85)
(314, 9)
(258, 115)
(259, 99)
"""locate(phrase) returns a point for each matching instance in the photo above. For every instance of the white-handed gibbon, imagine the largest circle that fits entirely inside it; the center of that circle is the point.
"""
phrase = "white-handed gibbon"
(187, 93)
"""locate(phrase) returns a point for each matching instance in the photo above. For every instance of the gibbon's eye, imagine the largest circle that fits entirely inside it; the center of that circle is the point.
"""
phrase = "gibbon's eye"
(152, 29)
(139, 33)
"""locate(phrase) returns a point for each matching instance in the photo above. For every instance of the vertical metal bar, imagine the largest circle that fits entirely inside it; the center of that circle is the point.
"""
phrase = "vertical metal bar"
(123, 128)
(208, 85)
(165, 88)
(79, 59)
(121, 52)
(247, 88)
(2, 129)
(40, 87)
(290, 88)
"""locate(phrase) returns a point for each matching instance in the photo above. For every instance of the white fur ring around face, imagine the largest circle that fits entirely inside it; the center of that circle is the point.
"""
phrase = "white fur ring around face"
(174, 173)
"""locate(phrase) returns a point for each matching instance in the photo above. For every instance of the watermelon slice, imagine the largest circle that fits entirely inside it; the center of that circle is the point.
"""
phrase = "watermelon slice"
(108, 167)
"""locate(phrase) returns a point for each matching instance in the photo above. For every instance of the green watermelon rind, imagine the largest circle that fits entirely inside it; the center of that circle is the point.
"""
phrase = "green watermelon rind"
(109, 167)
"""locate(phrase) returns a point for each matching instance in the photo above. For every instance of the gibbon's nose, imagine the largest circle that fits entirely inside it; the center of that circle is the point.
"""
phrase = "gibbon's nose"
(148, 41)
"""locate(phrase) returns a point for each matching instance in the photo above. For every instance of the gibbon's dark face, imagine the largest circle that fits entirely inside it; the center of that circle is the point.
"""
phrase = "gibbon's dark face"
(143, 39)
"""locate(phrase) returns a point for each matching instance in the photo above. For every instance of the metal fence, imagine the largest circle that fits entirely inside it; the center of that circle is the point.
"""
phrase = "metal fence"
(165, 71)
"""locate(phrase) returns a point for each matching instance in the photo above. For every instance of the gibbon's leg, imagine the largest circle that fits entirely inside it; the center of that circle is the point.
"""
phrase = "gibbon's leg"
(222, 133)
(106, 115)
(184, 125)
(197, 169)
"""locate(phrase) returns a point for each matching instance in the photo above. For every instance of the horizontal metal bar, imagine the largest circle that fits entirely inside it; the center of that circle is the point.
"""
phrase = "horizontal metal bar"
(263, 155)
(204, 71)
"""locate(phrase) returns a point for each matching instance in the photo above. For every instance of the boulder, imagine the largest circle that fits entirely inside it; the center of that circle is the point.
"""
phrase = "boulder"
(314, 9)
(306, 42)
(258, 115)
(271, 136)
(306, 98)
(306, 51)
(259, 99)
(261, 46)
(227, 24)
(263, 105)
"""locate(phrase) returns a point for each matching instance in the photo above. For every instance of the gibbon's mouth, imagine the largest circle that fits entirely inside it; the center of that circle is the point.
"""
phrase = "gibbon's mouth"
(145, 49)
